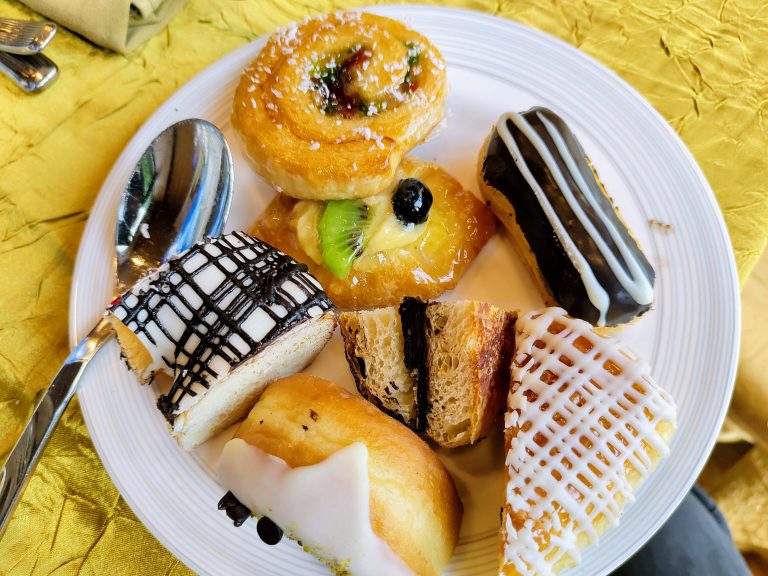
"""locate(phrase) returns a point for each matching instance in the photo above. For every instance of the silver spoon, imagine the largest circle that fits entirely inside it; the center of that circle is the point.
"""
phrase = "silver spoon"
(180, 191)
(25, 36)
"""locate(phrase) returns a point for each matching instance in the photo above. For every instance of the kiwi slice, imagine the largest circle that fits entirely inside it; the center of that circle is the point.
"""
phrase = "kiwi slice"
(342, 229)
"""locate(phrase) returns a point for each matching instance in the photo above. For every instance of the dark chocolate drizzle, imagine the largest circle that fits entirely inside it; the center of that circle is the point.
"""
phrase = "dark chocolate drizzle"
(563, 279)
(253, 274)
(413, 318)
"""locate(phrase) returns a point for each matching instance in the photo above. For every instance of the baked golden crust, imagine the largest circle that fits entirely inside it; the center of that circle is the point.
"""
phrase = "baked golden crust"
(585, 425)
(414, 505)
(457, 228)
(466, 359)
(308, 145)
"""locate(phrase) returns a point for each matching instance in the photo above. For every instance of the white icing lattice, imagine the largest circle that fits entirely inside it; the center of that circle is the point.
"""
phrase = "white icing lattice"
(582, 428)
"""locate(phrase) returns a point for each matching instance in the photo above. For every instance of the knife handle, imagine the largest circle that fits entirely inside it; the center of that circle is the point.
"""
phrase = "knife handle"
(25, 454)
(31, 73)
(25, 36)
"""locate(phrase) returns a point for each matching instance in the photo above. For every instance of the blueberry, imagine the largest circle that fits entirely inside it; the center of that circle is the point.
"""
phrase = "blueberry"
(412, 201)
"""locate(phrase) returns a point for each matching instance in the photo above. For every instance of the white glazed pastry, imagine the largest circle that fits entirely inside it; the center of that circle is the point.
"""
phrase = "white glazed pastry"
(335, 526)
(585, 424)
(224, 318)
(540, 184)
(359, 490)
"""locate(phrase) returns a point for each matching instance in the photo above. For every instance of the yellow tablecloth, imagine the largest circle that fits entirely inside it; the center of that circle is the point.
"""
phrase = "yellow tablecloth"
(701, 63)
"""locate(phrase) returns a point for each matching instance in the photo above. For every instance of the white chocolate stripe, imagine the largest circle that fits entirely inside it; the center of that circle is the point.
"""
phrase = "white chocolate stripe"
(597, 295)
(636, 283)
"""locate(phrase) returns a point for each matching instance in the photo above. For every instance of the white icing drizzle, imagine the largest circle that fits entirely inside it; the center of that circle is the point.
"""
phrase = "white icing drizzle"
(636, 283)
(575, 426)
(326, 506)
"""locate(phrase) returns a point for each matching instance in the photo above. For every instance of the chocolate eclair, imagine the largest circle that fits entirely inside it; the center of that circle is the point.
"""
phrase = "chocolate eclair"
(540, 184)
(224, 319)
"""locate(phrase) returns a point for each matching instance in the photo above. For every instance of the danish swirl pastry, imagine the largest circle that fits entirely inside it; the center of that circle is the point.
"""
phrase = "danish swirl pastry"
(330, 106)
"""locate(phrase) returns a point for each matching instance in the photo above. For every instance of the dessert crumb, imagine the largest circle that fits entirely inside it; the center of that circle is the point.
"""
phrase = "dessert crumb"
(653, 223)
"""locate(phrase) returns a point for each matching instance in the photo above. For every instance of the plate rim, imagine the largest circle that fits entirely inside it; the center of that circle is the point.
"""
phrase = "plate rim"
(405, 12)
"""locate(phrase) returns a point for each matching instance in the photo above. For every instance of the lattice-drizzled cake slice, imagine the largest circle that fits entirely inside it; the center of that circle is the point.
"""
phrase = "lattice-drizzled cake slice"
(224, 318)
(585, 424)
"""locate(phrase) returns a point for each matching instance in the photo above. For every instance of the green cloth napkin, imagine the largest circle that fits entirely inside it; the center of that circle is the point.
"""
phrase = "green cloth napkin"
(120, 25)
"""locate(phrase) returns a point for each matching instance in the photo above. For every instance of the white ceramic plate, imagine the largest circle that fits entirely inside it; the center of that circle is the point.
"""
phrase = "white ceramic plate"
(690, 339)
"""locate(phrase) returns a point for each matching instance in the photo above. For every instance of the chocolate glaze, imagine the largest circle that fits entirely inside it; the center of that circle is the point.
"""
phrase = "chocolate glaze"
(413, 318)
(557, 268)
(261, 270)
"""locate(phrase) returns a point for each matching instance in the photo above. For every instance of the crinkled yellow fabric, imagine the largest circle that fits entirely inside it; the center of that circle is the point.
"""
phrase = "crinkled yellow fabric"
(701, 63)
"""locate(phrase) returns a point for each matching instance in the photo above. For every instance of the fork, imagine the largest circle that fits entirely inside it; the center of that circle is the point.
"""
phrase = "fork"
(25, 36)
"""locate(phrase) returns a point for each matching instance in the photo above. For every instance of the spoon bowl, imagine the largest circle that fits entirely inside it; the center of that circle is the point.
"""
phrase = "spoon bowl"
(180, 191)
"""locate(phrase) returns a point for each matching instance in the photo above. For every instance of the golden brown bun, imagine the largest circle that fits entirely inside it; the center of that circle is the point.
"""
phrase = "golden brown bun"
(414, 505)
(457, 228)
(307, 151)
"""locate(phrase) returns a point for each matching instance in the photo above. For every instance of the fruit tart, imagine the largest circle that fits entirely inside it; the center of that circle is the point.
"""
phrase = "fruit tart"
(415, 240)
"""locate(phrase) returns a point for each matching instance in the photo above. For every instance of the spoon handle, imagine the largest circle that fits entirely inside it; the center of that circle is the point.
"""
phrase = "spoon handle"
(25, 454)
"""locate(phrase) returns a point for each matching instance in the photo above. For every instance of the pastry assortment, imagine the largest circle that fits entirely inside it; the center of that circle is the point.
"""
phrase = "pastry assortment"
(543, 188)
(327, 112)
(415, 240)
(223, 319)
(441, 368)
(359, 491)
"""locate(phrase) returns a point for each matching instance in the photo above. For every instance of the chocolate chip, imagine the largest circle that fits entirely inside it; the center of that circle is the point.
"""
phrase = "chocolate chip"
(269, 532)
(361, 365)
(313, 415)
(236, 510)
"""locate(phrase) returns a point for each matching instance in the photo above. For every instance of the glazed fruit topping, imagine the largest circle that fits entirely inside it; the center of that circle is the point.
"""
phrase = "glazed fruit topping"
(342, 228)
(412, 201)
